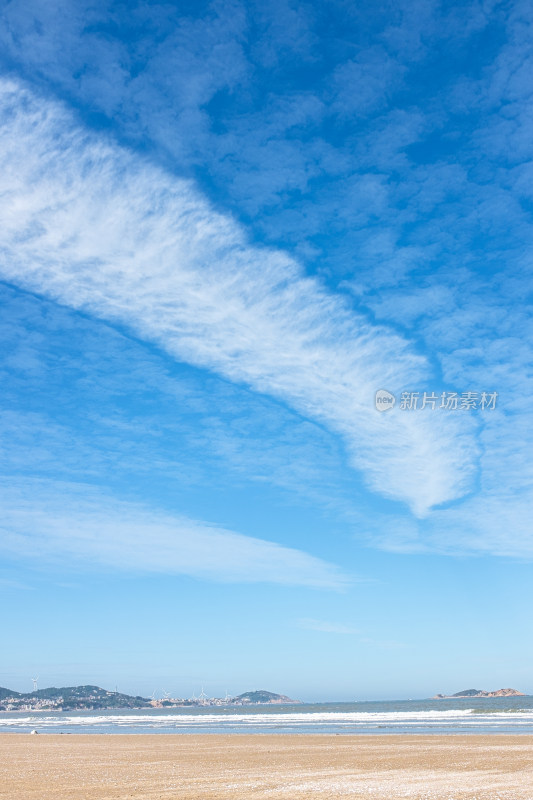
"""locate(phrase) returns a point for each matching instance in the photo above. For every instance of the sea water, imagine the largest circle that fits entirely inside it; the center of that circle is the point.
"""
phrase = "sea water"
(468, 715)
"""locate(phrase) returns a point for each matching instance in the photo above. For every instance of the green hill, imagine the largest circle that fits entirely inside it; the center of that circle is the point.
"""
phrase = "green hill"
(7, 693)
(261, 696)
(72, 697)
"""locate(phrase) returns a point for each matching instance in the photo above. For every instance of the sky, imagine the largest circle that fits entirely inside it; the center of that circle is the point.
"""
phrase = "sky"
(225, 226)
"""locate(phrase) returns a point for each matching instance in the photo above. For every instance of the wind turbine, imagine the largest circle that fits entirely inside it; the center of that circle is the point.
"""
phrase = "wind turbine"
(202, 697)
(34, 681)
(166, 695)
(153, 695)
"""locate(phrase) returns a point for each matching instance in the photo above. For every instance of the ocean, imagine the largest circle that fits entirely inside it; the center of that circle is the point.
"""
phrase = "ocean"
(479, 715)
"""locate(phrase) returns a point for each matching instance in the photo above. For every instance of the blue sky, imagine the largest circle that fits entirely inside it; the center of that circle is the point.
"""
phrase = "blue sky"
(224, 226)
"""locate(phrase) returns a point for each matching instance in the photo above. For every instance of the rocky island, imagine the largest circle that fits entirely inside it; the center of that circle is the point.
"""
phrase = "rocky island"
(480, 693)
(262, 697)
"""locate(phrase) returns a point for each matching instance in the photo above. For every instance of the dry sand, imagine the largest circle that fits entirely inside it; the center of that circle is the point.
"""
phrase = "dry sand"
(146, 767)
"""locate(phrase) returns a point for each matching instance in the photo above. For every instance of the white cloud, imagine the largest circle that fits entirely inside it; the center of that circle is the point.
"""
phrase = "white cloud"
(326, 627)
(72, 523)
(346, 630)
(7, 583)
(96, 228)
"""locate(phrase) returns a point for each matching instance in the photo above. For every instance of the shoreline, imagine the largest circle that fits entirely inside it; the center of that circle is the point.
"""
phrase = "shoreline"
(291, 766)
(296, 734)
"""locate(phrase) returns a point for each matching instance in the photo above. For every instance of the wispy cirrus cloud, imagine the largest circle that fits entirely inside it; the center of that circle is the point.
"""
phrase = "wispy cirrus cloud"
(322, 626)
(94, 227)
(404, 160)
(8, 584)
(84, 526)
(337, 628)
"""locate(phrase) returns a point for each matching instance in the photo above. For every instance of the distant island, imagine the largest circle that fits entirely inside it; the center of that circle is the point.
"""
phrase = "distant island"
(262, 697)
(480, 693)
(91, 698)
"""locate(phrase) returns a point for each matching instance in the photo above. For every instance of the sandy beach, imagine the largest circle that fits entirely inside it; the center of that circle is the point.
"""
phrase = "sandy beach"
(150, 767)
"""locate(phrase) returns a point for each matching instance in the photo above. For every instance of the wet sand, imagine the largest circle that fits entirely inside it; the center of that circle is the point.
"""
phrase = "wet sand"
(159, 767)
